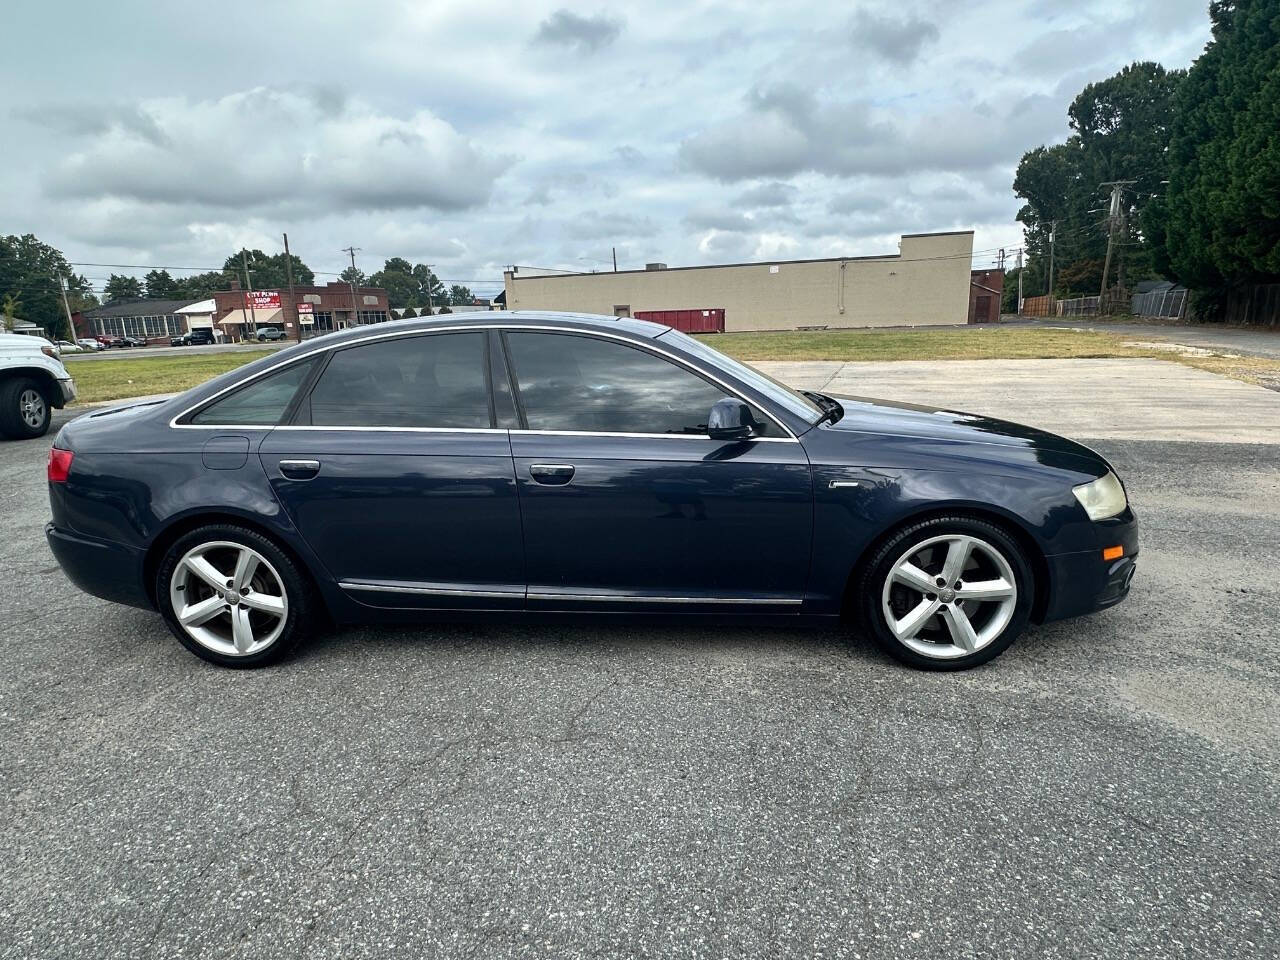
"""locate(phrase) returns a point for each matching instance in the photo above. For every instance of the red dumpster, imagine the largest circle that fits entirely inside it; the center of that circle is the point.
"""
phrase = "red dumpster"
(687, 321)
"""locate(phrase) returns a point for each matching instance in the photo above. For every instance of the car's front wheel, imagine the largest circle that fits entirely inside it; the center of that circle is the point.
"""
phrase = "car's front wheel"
(947, 593)
(233, 597)
(24, 409)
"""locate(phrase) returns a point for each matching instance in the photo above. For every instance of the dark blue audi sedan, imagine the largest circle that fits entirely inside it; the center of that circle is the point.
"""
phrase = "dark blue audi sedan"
(527, 464)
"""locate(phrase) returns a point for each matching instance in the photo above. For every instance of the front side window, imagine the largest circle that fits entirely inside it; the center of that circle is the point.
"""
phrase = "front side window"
(260, 403)
(586, 384)
(436, 380)
(777, 391)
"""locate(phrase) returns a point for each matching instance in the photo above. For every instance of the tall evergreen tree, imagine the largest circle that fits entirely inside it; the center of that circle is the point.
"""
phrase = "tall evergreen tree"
(1221, 222)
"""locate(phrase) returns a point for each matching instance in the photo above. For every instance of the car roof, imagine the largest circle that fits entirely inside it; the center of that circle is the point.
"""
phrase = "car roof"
(505, 318)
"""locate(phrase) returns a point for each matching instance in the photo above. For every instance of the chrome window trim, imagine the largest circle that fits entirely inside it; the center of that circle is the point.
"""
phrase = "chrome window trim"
(646, 436)
(393, 429)
(679, 361)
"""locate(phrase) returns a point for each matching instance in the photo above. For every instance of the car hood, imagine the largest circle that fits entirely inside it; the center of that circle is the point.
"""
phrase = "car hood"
(890, 417)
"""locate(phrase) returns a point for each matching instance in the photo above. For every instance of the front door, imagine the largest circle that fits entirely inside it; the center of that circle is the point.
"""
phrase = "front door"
(395, 474)
(627, 503)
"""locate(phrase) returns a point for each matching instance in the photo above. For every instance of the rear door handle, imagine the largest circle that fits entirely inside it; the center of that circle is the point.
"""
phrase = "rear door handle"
(551, 473)
(299, 469)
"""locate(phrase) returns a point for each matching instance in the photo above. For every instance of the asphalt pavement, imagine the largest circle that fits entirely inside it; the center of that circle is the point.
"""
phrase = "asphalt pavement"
(1107, 788)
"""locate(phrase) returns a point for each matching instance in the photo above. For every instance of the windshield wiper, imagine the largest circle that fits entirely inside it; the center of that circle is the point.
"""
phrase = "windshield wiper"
(831, 409)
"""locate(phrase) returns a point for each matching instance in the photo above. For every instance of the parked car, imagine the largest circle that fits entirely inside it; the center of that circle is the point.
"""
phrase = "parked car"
(33, 382)
(548, 464)
(91, 343)
(200, 336)
(105, 340)
(66, 346)
(270, 333)
(128, 342)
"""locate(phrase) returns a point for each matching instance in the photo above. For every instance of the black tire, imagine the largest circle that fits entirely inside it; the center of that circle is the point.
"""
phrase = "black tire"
(15, 394)
(871, 588)
(304, 605)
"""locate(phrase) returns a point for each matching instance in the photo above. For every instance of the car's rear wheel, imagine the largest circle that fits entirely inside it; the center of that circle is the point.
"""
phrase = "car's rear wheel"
(947, 593)
(24, 409)
(233, 597)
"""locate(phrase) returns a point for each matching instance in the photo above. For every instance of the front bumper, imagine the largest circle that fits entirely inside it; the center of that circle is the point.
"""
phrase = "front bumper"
(102, 568)
(68, 388)
(1083, 582)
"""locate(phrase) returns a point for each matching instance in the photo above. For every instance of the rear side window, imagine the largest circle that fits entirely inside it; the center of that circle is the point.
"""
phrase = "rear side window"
(260, 403)
(436, 380)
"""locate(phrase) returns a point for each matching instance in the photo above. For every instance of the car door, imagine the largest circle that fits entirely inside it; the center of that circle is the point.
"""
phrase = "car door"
(394, 472)
(625, 500)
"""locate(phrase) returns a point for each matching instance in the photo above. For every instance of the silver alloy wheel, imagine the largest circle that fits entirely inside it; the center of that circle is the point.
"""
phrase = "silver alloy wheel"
(229, 598)
(32, 407)
(954, 594)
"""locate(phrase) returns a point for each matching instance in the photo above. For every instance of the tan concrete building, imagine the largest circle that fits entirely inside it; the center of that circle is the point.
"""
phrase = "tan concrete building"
(926, 282)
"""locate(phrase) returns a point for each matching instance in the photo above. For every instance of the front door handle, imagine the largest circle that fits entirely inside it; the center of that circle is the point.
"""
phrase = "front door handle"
(551, 474)
(299, 469)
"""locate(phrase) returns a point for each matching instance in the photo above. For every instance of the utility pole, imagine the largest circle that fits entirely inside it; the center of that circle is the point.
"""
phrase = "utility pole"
(293, 304)
(248, 282)
(1053, 232)
(1019, 281)
(615, 259)
(430, 277)
(355, 313)
(1001, 259)
(1113, 217)
(71, 327)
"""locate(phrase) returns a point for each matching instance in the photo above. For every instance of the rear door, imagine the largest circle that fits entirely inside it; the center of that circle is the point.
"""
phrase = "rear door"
(628, 504)
(395, 471)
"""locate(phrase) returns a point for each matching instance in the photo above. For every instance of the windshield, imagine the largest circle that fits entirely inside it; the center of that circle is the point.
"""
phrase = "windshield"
(775, 390)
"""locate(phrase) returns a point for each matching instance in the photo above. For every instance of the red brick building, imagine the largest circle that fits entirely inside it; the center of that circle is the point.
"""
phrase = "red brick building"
(986, 289)
(316, 309)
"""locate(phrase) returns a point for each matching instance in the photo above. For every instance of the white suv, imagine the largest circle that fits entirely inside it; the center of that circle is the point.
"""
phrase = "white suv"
(32, 382)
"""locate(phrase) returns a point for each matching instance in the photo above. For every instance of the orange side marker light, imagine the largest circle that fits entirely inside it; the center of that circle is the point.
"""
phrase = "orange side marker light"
(1112, 553)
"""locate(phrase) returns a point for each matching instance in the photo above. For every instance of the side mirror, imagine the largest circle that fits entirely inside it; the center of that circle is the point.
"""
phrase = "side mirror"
(730, 420)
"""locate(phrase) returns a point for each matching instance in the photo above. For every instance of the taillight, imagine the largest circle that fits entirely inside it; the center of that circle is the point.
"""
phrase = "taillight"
(59, 464)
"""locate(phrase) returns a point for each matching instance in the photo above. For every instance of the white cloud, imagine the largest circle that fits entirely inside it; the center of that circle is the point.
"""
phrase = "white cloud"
(265, 149)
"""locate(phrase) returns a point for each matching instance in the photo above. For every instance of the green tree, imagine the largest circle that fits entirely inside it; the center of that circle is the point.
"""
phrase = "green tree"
(460, 295)
(268, 272)
(1120, 131)
(408, 312)
(32, 273)
(409, 285)
(10, 309)
(1080, 278)
(396, 277)
(161, 286)
(1221, 222)
(120, 287)
(200, 286)
(352, 275)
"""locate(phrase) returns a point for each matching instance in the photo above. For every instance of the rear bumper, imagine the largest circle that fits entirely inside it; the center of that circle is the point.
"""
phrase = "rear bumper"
(104, 569)
(1083, 582)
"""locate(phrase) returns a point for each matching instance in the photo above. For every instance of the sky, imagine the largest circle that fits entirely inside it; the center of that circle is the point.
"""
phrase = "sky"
(473, 135)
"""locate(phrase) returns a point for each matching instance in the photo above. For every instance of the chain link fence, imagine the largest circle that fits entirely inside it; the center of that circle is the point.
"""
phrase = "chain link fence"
(1170, 303)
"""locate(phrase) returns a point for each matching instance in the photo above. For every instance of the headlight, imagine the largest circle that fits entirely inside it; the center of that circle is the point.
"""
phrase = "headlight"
(1103, 497)
(50, 352)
